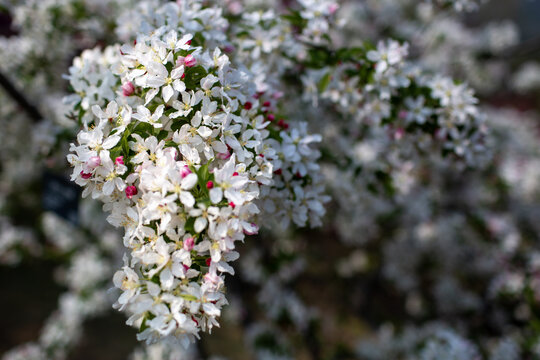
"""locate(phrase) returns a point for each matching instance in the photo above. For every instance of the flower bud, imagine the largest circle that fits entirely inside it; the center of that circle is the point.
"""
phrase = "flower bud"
(189, 243)
(85, 175)
(190, 61)
(93, 163)
(128, 89)
(223, 156)
(184, 171)
(119, 160)
(253, 230)
(131, 191)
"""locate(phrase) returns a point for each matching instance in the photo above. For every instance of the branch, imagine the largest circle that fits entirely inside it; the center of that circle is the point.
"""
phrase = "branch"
(20, 99)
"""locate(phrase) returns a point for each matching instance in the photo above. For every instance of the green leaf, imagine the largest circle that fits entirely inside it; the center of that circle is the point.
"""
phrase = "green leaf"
(189, 297)
(323, 83)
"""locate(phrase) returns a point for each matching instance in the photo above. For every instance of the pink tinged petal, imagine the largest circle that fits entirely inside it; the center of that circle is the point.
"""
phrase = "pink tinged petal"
(136, 73)
(177, 72)
(190, 61)
(189, 181)
(234, 197)
(178, 270)
(93, 162)
(189, 243)
(251, 229)
(184, 171)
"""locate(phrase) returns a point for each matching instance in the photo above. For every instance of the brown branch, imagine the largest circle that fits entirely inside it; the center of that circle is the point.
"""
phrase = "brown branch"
(20, 99)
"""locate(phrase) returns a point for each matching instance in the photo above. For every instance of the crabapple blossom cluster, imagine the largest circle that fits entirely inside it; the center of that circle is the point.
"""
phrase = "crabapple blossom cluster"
(181, 160)
(439, 40)
(402, 99)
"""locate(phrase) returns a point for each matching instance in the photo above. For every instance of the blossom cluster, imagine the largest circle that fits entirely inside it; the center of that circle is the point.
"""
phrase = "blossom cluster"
(180, 160)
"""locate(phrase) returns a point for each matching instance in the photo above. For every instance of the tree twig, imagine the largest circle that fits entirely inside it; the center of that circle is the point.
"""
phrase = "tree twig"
(20, 99)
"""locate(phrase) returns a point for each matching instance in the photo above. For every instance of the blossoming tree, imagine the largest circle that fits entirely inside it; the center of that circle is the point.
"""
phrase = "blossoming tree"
(198, 124)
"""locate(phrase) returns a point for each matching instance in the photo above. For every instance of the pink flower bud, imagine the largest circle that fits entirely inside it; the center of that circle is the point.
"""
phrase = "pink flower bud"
(189, 243)
(211, 278)
(231, 204)
(185, 171)
(277, 95)
(254, 230)
(128, 89)
(85, 175)
(131, 191)
(209, 184)
(403, 114)
(93, 162)
(235, 7)
(248, 105)
(119, 160)
(228, 48)
(223, 156)
(190, 61)
(333, 8)
(208, 261)
(398, 134)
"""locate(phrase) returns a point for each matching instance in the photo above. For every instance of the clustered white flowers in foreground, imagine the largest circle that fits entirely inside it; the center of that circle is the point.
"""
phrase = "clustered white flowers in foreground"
(199, 124)
(188, 162)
